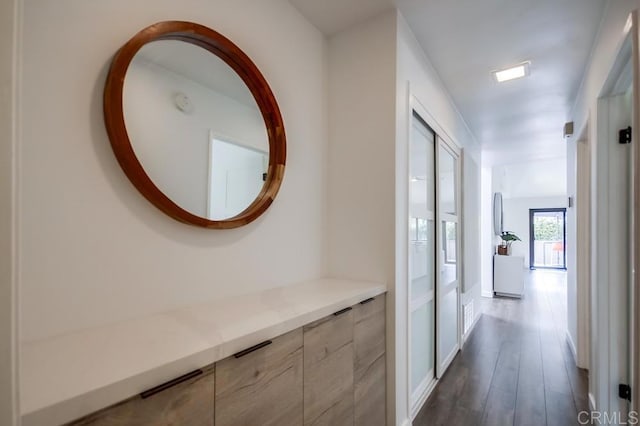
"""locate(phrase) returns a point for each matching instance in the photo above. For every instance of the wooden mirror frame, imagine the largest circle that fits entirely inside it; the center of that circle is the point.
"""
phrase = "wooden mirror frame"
(226, 50)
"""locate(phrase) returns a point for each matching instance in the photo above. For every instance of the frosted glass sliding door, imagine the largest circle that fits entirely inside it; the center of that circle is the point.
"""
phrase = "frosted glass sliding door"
(448, 246)
(422, 246)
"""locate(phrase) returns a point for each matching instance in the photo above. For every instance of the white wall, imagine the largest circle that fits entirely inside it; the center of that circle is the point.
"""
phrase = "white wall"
(541, 178)
(93, 250)
(471, 187)
(9, 27)
(361, 134)
(416, 77)
(488, 236)
(173, 146)
(361, 176)
(516, 219)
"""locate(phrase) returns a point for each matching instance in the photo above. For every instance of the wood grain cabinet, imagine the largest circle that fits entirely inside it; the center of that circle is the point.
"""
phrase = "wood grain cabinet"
(344, 367)
(189, 403)
(328, 370)
(369, 362)
(261, 386)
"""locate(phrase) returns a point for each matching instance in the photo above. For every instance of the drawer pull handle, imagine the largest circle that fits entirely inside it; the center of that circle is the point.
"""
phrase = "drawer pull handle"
(342, 311)
(364, 302)
(252, 348)
(170, 383)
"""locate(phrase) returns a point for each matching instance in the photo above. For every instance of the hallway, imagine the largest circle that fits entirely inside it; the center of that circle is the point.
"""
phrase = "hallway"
(516, 368)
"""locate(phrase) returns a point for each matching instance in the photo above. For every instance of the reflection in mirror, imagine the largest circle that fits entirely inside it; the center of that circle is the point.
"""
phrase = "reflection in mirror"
(449, 244)
(196, 128)
(449, 255)
(422, 345)
(497, 214)
(421, 209)
(447, 169)
(237, 174)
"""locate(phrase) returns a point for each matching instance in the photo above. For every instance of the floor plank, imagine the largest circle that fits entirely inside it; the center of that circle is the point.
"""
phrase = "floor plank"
(500, 408)
(560, 409)
(530, 403)
(516, 368)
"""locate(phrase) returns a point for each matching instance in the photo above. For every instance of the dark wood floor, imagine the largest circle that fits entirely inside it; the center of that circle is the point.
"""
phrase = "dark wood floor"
(516, 368)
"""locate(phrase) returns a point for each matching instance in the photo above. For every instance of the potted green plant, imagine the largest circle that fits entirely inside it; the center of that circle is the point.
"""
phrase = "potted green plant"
(508, 238)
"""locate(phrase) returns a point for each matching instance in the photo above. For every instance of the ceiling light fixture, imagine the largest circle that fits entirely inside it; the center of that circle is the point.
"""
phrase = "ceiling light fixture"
(518, 71)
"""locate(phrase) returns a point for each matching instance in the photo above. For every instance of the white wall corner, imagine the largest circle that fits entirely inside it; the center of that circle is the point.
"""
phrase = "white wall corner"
(572, 345)
(486, 293)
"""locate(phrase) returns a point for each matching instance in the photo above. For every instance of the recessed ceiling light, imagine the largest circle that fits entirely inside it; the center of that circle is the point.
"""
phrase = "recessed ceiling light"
(519, 71)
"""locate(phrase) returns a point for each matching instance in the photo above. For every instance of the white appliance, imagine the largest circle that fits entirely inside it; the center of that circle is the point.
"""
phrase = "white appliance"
(508, 275)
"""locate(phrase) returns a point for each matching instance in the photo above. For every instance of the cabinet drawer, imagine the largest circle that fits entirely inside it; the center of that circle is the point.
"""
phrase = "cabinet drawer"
(262, 387)
(370, 363)
(328, 371)
(189, 403)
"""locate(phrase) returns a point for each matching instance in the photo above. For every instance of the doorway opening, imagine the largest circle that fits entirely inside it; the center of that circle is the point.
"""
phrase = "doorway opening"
(548, 238)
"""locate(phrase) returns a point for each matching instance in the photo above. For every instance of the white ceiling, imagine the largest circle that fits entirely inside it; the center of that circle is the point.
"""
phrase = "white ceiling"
(198, 65)
(465, 40)
(333, 16)
(540, 178)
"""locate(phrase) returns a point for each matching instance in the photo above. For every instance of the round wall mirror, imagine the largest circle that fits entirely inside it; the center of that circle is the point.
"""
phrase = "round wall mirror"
(194, 125)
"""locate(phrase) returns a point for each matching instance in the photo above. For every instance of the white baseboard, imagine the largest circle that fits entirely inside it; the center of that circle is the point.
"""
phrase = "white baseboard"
(423, 399)
(407, 422)
(487, 294)
(473, 325)
(573, 347)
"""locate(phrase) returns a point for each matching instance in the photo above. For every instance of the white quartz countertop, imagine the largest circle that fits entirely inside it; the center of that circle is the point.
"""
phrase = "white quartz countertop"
(68, 376)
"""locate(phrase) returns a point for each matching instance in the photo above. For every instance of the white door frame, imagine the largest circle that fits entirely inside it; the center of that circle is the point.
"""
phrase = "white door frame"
(634, 347)
(443, 135)
(610, 220)
(582, 247)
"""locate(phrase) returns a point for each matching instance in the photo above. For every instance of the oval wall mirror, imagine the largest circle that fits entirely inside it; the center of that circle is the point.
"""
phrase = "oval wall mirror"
(194, 125)
(497, 213)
